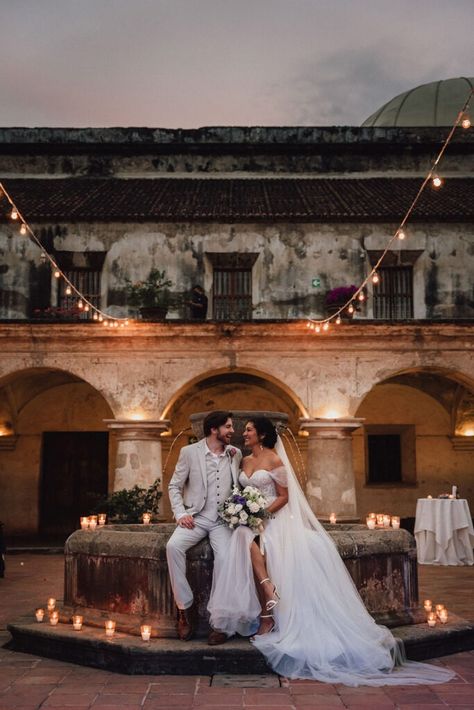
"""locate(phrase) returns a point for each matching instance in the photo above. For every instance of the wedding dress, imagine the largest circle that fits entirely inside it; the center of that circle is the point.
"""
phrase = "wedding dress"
(322, 628)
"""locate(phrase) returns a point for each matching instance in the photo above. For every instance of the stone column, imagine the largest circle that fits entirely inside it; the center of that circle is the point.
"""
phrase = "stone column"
(139, 459)
(331, 484)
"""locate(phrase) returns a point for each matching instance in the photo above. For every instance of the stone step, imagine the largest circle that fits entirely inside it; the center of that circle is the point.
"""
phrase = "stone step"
(130, 655)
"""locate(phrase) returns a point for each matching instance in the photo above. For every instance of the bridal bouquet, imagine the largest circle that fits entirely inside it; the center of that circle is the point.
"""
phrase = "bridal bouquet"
(245, 507)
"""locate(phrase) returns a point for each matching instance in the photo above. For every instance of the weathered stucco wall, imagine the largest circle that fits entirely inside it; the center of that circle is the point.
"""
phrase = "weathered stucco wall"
(290, 256)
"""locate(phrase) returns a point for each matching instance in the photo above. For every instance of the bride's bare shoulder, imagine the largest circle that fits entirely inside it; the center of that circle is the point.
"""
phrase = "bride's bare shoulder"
(275, 460)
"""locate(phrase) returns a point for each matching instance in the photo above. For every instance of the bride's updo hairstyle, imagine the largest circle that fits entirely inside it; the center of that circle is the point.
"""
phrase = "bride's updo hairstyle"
(266, 430)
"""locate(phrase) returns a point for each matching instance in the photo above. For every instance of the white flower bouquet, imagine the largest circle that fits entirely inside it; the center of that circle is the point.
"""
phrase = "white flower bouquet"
(245, 507)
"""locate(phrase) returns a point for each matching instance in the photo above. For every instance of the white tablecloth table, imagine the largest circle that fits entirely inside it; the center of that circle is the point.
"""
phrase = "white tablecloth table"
(443, 531)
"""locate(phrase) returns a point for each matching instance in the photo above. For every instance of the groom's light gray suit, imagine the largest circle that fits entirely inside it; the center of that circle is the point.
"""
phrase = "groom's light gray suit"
(200, 483)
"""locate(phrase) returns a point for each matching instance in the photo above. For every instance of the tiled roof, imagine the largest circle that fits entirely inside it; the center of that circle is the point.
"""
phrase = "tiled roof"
(229, 199)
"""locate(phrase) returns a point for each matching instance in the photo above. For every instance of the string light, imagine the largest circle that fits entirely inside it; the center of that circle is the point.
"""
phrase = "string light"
(70, 289)
(338, 320)
(463, 120)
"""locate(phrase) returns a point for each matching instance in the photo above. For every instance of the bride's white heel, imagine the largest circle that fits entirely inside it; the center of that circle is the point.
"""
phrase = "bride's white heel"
(271, 603)
(269, 631)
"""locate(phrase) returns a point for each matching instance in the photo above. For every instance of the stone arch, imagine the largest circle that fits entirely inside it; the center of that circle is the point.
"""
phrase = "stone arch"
(224, 388)
(432, 410)
(45, 413)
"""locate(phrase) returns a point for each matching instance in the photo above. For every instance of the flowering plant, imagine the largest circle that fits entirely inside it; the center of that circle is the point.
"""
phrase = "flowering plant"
(154, 291)
(231, 452)
(340, 294)
(245, 507)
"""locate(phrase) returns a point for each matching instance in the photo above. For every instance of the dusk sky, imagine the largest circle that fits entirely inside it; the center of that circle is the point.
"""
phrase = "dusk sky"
(189, 63)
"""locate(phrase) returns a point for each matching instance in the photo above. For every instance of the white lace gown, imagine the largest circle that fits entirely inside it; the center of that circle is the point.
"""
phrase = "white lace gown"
(323, 630)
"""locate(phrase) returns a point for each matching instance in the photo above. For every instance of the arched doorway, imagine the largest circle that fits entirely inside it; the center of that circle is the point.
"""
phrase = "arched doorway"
(417, 439)
(54, 454)
(236, 389)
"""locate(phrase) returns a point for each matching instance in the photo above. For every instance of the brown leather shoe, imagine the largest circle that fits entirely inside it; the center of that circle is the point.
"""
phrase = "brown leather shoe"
(216, 637)
(185, 625)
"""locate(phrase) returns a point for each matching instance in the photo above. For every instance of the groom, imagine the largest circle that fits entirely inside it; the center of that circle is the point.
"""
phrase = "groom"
(202, 480)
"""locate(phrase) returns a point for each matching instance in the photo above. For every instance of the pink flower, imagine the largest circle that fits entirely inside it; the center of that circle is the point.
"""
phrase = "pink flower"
(231, 452)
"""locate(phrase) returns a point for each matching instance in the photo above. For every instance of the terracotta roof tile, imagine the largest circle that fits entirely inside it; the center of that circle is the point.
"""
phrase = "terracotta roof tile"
(229, 199)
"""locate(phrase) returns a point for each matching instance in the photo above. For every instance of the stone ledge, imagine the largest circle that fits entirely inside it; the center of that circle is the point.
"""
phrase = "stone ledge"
(129, 655)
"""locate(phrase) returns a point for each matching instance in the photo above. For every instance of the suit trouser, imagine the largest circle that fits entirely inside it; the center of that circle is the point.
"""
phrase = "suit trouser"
(180, 541)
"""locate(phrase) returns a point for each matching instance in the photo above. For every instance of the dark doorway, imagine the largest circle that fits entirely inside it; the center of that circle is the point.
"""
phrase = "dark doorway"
(385, 458)
(74, 469)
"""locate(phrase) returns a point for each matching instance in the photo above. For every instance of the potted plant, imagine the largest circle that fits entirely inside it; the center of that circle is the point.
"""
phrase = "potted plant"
(338, 297)
(152, 297)
(128, 505)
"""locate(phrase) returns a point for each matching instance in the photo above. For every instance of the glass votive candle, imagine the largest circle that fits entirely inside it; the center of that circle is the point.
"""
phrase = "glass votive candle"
(386, 521)
(54, 618)
(146, 518)
(51, 604)
(84, 523)
(430, 497)
(380, 519)
(77, 622)
(370, 523)
(439, 608)
(332, 518)
(431, 619)
(395, 522)
(39, 613)
(428, 605)
(101, 518)
(443, 616)
(145, 630)
(92, 522)
(109, 627)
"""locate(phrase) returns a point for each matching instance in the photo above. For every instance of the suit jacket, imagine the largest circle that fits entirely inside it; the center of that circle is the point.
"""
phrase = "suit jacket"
(188, 485)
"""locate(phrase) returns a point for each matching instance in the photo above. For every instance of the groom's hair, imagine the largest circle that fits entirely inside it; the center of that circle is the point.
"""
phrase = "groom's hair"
(214, 420)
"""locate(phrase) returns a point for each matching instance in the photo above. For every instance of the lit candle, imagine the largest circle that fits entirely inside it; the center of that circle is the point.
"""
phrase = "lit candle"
(109, 627)
(92, 522)
(84, 523)
(146, 518)
(428, 605)
(443, 616)
(370, 523)
(51, 604)
(77, 622)
(432, 619)
(380, 519)
(372, 515)
(102, 517)
(39, 613)
(439, 608)
(145, 630)
(332, 518)
(386, 521)
(395, 522)
(54, 618)
(430, 497)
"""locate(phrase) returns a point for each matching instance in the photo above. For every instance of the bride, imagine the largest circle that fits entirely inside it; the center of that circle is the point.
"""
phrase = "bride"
(298, 598)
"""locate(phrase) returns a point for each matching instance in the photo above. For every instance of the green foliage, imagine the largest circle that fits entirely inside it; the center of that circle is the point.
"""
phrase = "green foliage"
(128, 505)
(154, 291)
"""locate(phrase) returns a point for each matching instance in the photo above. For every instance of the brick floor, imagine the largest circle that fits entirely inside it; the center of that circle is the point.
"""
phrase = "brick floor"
(29, 682)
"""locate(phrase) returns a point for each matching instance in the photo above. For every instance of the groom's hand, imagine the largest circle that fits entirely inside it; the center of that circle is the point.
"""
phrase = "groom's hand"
(186, 521)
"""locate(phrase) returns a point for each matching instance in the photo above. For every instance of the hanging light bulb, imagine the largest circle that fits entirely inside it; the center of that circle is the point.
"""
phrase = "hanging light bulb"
(68, 290)
(326, 326)
(116, 325)
(465, 121)
(436, 181)
(361, 296)
(101, 317)
(95, 316)
(14, 213)
(86, 308)
(338, 320)
(375, 278)
(308, 324)
(43, 257)
(318, 329)
(126, 322)
(23, 228)
(57, 274)
(401, 234)
(80, 304)
(350, 308)
(106, 323)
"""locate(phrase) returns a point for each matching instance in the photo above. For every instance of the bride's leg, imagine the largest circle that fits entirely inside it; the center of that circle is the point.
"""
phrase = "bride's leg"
(265, 590)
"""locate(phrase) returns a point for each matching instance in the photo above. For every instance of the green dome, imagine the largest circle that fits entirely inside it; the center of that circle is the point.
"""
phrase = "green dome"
(434, 104)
